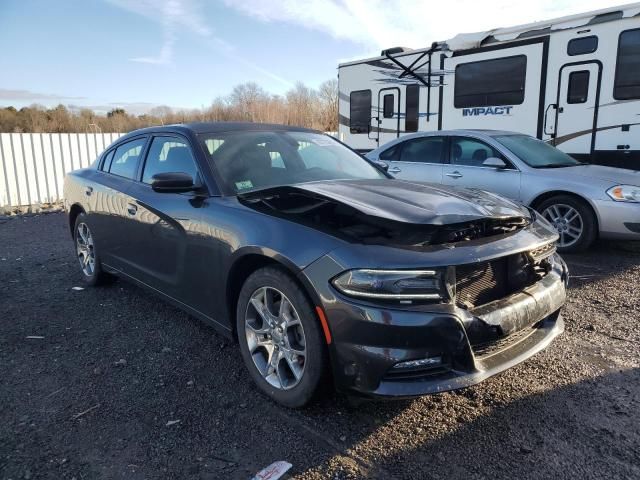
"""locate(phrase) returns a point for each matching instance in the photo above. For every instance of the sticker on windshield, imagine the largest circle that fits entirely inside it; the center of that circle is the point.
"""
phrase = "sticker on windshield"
(322, 141)
(243, 185)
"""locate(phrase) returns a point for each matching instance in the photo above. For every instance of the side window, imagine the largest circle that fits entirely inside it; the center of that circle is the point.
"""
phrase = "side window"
(106, 164)
(627, 82)
(500, 81)
(360, 111)
(582, 46)
(471, 152)
(424, 150)
(411, 108)
(169, 154)
(578, 89)
(390, 154)
(125, 160)
(387, 110)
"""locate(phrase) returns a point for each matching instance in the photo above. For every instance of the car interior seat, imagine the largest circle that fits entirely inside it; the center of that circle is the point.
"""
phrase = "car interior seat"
(253, 164)
(179, 160)
(479, 156)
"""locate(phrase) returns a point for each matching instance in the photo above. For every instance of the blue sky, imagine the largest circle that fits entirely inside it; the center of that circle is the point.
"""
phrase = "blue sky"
(185, 53)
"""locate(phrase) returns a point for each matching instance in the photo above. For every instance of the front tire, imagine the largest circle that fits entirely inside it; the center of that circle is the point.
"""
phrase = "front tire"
(92, 273)
(280, 338)
(573, 219)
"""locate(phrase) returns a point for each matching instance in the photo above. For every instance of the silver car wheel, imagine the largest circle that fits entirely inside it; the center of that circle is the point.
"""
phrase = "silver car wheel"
(567, 221)
(275, 338)
(84, 249)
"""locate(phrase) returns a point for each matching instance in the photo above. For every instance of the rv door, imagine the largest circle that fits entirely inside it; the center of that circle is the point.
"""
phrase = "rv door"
(577, 107)
(388, 114)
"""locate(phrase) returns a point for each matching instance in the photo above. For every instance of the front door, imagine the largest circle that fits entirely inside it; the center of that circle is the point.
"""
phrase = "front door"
(163, 242)
(577, 107)
(466, 169)
(388, 115)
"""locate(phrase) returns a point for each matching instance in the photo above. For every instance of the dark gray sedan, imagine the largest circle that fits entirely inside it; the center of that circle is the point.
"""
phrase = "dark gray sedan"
(317, 262)
(582, 201)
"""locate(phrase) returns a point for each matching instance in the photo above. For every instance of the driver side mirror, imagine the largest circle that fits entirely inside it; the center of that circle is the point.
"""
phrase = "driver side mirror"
(494, 162)
(172, 182)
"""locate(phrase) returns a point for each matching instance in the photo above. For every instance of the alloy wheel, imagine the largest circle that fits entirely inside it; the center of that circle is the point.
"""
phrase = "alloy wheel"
(567, 221)
(275, 338)
(85, 250)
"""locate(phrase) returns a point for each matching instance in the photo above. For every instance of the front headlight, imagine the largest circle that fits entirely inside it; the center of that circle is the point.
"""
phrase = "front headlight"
(404, 285)
(624, 193)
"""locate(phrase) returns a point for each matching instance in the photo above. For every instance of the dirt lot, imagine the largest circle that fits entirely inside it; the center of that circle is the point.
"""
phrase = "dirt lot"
(112, 383)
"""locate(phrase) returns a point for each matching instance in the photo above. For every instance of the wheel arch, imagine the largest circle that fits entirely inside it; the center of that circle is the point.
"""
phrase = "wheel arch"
(535, 203)
(75, 210)
(248, 263)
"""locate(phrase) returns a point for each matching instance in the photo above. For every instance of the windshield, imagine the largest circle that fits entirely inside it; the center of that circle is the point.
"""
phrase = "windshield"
(536, 153)
(254, 160)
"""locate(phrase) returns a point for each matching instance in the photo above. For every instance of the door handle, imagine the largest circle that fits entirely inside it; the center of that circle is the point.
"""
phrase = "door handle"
(455, 174)
(132, 209)
(394, 170)
(88, 191)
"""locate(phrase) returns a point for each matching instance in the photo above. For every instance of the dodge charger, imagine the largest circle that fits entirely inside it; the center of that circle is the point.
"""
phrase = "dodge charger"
(324, 269)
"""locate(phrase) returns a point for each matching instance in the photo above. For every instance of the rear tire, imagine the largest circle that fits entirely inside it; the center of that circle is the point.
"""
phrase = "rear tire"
(573, 218)
(272, 341)
(88, 256)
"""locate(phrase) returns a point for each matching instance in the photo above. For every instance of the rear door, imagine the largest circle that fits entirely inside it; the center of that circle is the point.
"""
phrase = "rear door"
(466, 169)
(109, 200)
(163, 241)
(417, 159)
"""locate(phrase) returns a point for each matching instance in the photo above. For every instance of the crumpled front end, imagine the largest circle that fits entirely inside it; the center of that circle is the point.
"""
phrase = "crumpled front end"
(503, 306)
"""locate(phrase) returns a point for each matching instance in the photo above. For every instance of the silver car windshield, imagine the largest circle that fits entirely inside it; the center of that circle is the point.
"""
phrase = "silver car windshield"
(536, 153)
(253, 160)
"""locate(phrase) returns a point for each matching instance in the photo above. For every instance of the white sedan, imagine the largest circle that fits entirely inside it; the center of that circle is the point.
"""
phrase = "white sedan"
(582, 201)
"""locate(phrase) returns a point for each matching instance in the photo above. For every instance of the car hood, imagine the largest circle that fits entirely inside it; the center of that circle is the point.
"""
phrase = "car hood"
(596, 172)
(403, 201)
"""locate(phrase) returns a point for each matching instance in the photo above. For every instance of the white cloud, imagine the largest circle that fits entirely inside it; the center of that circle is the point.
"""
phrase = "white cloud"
(377, 24)
(28, 95)
(186, 15)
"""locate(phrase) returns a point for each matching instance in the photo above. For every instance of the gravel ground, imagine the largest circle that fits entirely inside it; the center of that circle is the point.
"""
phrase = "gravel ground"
(112, 383)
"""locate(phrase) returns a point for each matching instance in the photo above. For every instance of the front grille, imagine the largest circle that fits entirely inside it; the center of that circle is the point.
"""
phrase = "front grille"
(480, 283)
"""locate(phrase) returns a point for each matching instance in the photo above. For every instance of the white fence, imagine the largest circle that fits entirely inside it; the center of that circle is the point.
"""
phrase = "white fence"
(33, 165)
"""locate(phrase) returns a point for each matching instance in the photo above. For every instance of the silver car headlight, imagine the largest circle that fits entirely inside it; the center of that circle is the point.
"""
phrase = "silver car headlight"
(401, 285)
(624, 193)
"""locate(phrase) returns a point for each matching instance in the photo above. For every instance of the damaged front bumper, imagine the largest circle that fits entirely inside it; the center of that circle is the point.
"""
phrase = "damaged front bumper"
(396, 351)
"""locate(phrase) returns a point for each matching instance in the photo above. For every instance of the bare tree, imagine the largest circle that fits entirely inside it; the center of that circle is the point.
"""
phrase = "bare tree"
(301, 106)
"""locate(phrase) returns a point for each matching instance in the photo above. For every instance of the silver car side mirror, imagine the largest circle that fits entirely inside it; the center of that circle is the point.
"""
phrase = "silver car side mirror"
(494, 162)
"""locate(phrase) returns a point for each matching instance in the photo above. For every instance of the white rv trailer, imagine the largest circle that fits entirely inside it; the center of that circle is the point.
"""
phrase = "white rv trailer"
(574, 82)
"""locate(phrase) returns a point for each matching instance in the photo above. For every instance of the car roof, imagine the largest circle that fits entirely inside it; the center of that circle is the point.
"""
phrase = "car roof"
(474, 132)
(215, 127)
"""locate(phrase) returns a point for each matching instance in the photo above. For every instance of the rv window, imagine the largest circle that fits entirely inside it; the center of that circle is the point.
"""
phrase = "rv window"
(582, 46)
(578, 89)
(411, 109)
(360, 111)
(387, 111)
(627, 83)
(490, 82)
